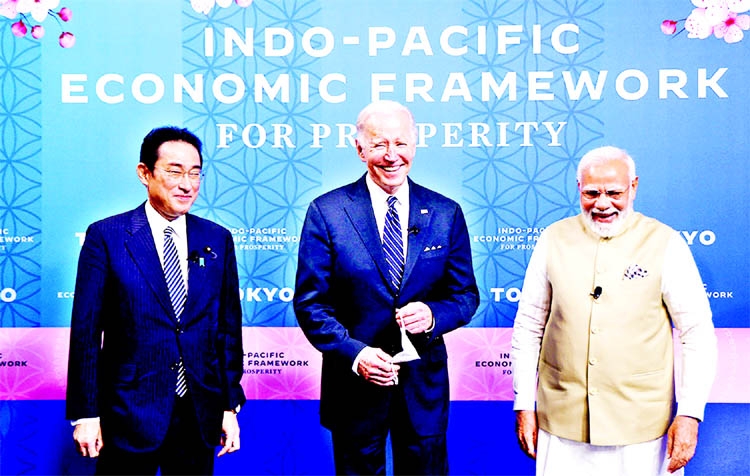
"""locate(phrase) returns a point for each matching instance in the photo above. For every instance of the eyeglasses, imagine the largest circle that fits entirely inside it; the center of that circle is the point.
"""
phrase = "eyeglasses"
(176, 175)
(595, 194)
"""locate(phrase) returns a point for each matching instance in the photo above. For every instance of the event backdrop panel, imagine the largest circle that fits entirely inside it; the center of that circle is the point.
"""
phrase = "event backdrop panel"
(508, 95)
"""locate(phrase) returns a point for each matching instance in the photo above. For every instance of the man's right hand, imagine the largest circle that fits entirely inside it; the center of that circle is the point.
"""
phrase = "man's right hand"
(526, 431)
(376, 367)
(88, 438)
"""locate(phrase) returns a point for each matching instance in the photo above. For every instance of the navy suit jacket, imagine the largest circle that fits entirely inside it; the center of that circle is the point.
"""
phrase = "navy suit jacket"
(344, 302)
(125, 339)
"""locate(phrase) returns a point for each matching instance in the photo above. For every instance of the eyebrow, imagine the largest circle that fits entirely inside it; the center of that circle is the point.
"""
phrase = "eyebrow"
(177, 164)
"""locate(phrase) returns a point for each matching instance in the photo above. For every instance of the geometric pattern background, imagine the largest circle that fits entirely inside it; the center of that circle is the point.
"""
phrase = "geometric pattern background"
(247, 187)
(20, 180)
(63, 166)
(529, 186)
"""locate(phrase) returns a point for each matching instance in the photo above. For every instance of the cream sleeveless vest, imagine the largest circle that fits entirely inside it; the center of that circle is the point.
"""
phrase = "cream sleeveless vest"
(606, 364)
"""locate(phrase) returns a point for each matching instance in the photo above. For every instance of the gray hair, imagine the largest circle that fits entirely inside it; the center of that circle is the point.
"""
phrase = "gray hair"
(387, 107)
(602, 155)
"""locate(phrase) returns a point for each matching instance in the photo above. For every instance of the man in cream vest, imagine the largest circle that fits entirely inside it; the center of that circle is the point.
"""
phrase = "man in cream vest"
(601, 294)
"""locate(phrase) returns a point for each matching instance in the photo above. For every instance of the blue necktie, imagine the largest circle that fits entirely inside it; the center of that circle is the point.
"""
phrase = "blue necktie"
(393, 244)
(177, 294)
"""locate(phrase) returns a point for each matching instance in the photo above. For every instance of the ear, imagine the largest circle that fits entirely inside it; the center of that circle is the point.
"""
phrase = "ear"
(360, 150)
(144, 174)
(634, 185)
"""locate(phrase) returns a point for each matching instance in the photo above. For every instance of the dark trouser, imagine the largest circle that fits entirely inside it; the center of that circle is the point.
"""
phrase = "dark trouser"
(182, 452)
(412, 454)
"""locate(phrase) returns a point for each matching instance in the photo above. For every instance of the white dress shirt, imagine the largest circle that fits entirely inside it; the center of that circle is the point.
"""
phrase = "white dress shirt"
(158, 224)
(379, 199)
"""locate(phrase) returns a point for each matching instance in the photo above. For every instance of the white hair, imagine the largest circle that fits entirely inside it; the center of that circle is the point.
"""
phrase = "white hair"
(602, 155)
(383, 107)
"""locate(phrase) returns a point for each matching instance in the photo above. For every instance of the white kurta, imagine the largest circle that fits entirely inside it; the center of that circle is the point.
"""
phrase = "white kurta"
(683, 293)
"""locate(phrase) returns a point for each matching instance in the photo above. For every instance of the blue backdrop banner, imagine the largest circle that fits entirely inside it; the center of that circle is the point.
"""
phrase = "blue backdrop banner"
(508, 95)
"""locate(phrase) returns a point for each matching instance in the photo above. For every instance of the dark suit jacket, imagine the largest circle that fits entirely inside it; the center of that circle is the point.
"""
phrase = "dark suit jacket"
(128, 377)
(344, 302)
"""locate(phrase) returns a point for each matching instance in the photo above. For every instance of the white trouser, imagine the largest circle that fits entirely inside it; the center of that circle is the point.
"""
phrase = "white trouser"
(557, 456)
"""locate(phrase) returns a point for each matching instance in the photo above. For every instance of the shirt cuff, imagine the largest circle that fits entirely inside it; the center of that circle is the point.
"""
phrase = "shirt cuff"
(524, 404)
(356, 361)
(80, 421)
(692, 410)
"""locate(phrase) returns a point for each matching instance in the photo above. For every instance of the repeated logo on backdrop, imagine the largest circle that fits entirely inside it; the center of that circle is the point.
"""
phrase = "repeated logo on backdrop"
(506, 101)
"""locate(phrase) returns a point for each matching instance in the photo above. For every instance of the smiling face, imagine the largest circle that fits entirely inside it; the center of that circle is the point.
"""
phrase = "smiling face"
(171, 194)
(387, 144)
(607, 195)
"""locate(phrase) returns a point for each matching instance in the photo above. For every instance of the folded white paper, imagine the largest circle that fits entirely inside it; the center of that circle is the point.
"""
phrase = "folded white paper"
(408, 353)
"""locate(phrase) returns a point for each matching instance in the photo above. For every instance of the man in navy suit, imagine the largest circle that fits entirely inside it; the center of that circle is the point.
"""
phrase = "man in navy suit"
(355, 292)
(156, 333)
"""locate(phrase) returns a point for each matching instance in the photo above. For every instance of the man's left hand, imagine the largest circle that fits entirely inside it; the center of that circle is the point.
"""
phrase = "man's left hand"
(416, 317)
(682, 438)
(230, 440)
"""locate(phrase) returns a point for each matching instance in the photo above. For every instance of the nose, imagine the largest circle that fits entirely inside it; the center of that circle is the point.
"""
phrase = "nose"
(602, 202)
(390, 153)
(184, 182)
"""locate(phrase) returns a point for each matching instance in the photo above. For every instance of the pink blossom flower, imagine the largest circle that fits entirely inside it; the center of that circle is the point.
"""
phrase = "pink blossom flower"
(709, 3)
(67, 39)
(731, 29)
(202, 6)
(8, 8)
(37, 31)
(37, 8)
(65, 14)
(718, 17)
(716, 11)
(697, 25)
(668, 27)
(205, 6)
(738, 6)
(19, 28)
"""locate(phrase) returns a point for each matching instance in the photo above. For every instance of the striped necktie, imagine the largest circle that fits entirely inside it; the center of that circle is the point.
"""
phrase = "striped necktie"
(177, 294)
(393, 244)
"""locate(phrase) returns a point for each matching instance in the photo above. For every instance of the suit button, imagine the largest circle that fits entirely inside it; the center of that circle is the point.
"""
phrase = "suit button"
(179, 330)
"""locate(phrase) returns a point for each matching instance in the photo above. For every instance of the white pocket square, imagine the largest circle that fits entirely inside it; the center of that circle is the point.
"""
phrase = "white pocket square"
(634, 271)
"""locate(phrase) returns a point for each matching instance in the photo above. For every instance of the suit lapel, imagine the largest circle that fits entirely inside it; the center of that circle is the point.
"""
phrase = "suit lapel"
(196, 273)
(140, 245)
(362, 217)
(420, 215)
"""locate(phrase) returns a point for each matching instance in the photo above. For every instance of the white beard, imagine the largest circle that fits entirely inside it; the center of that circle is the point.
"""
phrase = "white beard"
(607, 230)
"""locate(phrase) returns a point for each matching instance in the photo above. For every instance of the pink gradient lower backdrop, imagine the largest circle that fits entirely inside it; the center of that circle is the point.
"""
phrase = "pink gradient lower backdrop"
(281, 365)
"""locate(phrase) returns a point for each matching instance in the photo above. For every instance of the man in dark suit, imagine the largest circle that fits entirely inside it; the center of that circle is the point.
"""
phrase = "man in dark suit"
(156, 333)
(377, 256)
